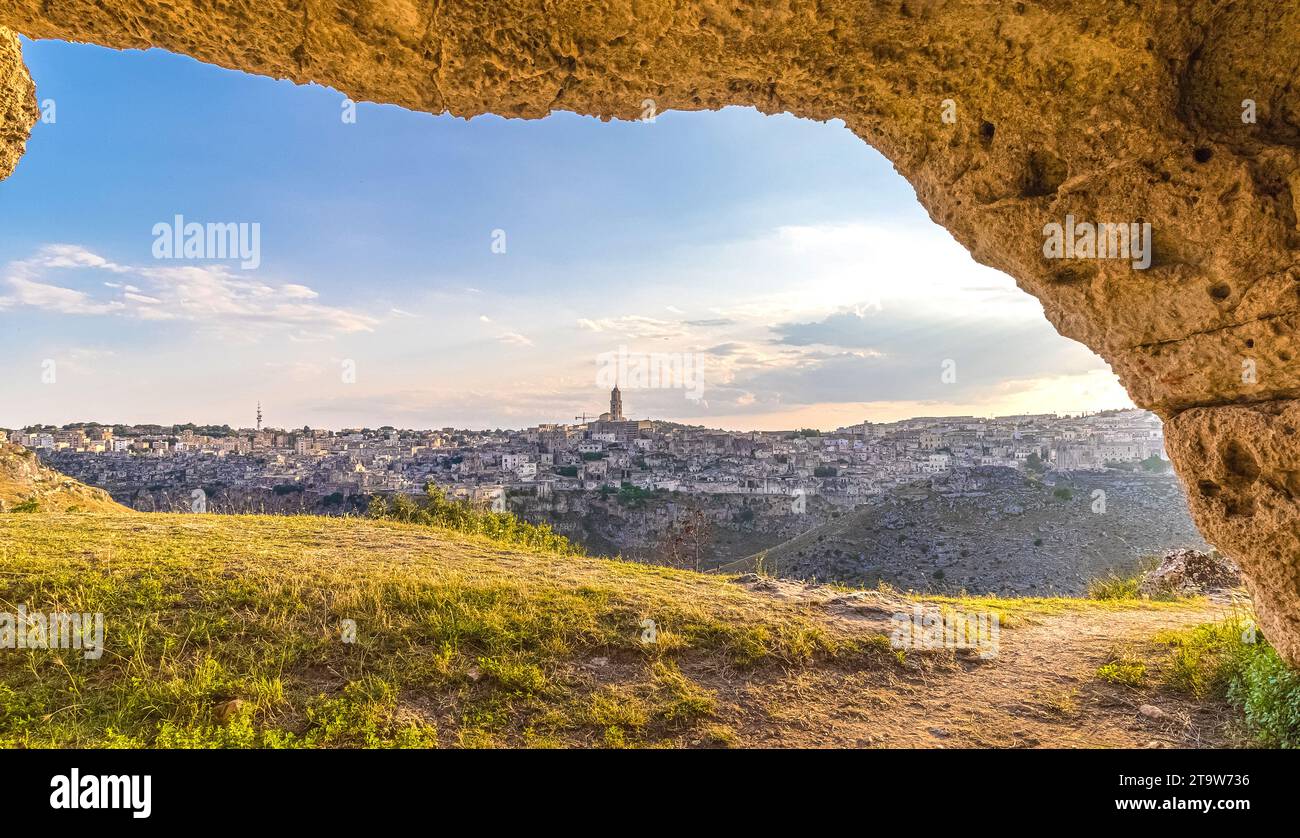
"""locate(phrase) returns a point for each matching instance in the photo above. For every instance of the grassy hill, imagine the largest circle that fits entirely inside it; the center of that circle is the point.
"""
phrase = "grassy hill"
(28, 486)
(442, 625)
(265, 631)
(230, 630)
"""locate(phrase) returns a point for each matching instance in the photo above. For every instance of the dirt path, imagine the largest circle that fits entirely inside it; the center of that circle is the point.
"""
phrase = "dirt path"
(1041, 690)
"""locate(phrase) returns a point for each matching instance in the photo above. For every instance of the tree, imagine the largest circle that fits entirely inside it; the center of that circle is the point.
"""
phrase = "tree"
(1155, 464)
(632, 496)
(684, 542)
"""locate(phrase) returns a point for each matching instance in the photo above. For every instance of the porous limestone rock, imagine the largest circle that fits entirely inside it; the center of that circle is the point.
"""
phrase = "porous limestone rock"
(1241, 466)
(18, 110)
(1186, 572)
(1005, 116)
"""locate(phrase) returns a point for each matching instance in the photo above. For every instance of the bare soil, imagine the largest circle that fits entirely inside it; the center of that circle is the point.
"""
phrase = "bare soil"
(1041, 690)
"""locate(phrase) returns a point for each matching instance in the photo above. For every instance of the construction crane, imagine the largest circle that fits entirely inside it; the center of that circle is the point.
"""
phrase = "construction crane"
(584, 417)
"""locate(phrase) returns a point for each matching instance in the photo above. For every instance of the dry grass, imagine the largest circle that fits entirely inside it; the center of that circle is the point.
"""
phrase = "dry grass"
(458, 641)
(53, 492)
(228, 631)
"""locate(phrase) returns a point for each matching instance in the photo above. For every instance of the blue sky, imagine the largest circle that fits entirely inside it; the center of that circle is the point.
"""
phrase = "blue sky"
(784, 258)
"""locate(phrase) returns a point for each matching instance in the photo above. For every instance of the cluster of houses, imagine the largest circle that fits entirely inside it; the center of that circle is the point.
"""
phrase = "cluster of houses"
(610, 452)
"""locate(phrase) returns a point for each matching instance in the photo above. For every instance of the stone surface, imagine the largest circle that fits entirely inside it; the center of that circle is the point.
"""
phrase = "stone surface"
(1153, 713)
(25, 483)
(1108, 112)
(18, 111)
(991, 530)
(228, 711)
(1241, 466)
(1190, 572)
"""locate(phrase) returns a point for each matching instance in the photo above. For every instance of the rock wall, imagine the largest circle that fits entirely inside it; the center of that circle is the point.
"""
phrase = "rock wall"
(1005, 116)
(1241, 467)
(18, 110)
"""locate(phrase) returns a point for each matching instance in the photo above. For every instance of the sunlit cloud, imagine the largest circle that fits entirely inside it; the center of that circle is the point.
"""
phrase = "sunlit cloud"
(206, 294)
(514, 339)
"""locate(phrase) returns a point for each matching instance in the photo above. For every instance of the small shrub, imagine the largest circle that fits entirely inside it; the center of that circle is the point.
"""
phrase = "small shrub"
(617, 708)
(514, 675)
(720, 736)
(1114, 587)
(1125, 668)
(1205, 657)
(364, 715)
(1221, 659)
(435, 509)
(1268, 691)
(1062, 703)
(680, 700)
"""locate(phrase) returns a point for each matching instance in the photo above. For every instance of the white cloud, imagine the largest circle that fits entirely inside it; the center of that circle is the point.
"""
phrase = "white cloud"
(633, 326)
(297, 370)
(72, 256)
(298, 292)
(27, 292)
(82, 360)
(514, 339)
(208, 294)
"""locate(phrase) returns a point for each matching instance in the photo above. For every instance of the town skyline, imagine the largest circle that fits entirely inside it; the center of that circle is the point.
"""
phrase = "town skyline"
(618, 484)
(576, 421)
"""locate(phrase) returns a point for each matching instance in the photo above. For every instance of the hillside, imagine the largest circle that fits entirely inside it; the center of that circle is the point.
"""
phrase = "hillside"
(28, 486)
(234, 631)
(993, 530)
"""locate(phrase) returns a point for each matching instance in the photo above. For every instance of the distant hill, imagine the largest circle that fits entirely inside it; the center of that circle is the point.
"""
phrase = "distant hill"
(28, 486)
(993, 530)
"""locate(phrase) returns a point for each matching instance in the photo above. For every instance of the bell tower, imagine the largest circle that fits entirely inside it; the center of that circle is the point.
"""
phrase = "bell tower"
(615, 404)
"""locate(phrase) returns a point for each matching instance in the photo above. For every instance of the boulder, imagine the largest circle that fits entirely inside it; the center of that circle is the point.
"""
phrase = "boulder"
(1190, 572)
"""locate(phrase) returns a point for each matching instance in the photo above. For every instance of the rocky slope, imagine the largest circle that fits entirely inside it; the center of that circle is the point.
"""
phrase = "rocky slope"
(993, 530)
(26, 485)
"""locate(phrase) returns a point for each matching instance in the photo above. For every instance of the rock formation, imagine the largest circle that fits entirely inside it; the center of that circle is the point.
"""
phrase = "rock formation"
(28, 486)
(1190, 573)
(992, 530)
(17, 103)
(1005, 116)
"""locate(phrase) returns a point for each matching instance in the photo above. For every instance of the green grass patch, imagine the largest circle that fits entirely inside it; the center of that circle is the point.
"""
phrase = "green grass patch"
(1114, 587)
(1228, 659)
(348, 633)
(301, 631)
(1123, 667)
(1014, 611)
(435, 509)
